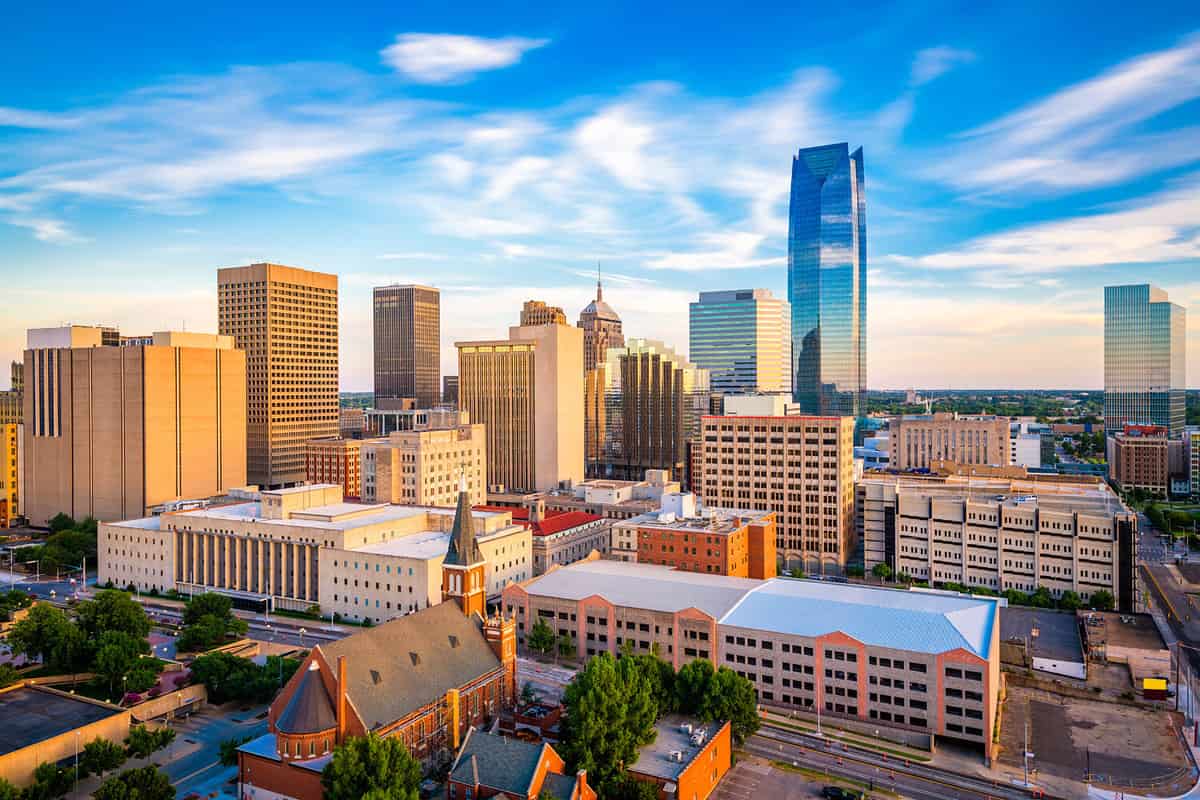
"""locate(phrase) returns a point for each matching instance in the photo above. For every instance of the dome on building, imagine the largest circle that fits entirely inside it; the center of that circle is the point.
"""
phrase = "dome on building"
(310, 709)
(600, 309)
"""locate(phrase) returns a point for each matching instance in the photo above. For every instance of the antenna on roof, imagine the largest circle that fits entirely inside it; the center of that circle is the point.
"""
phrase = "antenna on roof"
(599, 288)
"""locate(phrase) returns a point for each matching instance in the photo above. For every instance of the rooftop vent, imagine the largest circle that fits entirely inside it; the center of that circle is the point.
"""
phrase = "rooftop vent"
(375, 677)
(453, 641)
(416, 659)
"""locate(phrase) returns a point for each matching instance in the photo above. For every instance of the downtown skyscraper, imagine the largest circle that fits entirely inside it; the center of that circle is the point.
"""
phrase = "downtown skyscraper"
(408, 357)
(743, 338)
(1144, 359)
(827, 280)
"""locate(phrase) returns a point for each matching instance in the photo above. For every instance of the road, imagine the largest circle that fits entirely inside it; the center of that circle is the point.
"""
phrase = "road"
(200, 771)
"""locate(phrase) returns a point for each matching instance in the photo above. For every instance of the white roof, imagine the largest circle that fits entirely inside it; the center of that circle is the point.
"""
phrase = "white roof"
(425, 546)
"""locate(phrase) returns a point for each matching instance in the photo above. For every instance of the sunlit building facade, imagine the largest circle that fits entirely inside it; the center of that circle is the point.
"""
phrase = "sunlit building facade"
(827, 280)
(1144, 359)
(408, 347)
(743, 338)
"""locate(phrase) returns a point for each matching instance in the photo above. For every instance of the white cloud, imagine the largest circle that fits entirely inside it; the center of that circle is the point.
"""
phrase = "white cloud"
(46, 229)
(730, 250)
(452, 58)
(933, 62)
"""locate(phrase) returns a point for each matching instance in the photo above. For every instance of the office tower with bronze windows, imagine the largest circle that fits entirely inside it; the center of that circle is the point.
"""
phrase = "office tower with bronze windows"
(601, 330)
(827, 280)
(286, 319)
(408, 332)
(1145, 368)
(535, 312)
(743, 338)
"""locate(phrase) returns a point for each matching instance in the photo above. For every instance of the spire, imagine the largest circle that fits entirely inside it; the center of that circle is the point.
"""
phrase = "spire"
(599, 288)
(463, 549)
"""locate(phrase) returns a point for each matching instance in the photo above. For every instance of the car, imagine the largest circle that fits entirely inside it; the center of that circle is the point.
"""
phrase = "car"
(838, 793)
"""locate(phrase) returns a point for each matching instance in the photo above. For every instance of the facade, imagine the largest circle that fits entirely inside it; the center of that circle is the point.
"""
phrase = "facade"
(535, 312)
(426, 679)
(827, 280)
(11, 472)
(408, 345)
(602, 329)
(490, 765)
(1146, 458)
(559, 537)
(744, 339)
(286, 319)
(800, 467)
(450, 390)
(527, 391)
(335, 460)
(382, 422)
(917, 660)
(686, 759)
(1145, 366)
(717, 541)
(1001, 533)
(919, 440)
(300, 547)
(352, 423)
(423, 467)
(1193, 450)
(653, 401)
(114, 431)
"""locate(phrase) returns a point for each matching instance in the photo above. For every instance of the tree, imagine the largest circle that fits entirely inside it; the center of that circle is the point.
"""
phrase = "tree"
(141, 783)
(113, 610)
(142, 741)
(660, 680)
(368, 766)
(229, 749)
(12, 601)
(1069, 601)
(529, 695)
(540, 637)
(49, 780)
(208, 619)
(1102, 600)
(717, 695)
(882, 571)
(61, 522)
(1042, 598)
(8, 675)
(100, 755)
(116, 655)
(566, 647)
(795, 572)
(229, 677)
(40, 633)
(8, 791)
(855, 571)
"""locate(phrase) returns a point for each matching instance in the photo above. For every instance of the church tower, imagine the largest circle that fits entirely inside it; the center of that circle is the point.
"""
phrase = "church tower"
(462, 569)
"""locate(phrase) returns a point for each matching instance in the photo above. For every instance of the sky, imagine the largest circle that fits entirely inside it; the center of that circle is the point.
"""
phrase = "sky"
(1019, 157)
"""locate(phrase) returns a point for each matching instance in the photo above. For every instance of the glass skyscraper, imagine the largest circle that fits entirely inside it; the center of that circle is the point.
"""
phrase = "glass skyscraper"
(1145, 369)
(743, 338)
(827, 280)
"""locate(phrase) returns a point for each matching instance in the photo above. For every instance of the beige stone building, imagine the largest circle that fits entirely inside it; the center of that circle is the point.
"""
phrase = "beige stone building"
(527, 391)
(801, 467)
(116, 430)
(1001, 533)
(286, 319)
(304, 546)
(424, 467)
(535, 312)
(919, 440)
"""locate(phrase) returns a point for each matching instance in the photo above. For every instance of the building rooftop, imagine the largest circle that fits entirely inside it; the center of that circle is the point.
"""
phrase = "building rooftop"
(921, 621)
(1065, 496)
(310, 709)
(676, 734)
(31, 714)
(554, 521)
(498, 762)
(719, 521)
(426, 545)
(649, 586)
(1057, 636)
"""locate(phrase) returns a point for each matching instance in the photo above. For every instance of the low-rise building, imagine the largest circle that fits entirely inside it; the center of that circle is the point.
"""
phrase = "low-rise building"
(1001, 533)
(921, 660)
(490, 765)
(384, 421)
(920, 439)
(682, 534)
(1145, 458)
(1193, 450)
(559, 537)
(424, 467)
(611, 499)
(352, 423)
(1042, 639)
(686, 758)
(300, 547)
(335, 460)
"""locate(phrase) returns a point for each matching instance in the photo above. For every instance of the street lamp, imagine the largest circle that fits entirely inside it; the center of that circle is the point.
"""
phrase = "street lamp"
(302, 631)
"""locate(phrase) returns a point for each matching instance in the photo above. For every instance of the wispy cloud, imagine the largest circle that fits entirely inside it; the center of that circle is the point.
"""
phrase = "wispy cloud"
(46, 229)
(452, 58)
(933, 62)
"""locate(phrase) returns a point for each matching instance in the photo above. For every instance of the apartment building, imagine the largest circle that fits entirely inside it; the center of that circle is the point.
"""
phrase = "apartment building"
(535, 312)
(286, 319)
(800, 467)
(304, 546)
(916, 660)
(335, 460)
(113, 431)
(921, 439)
(684, 535)
(1001, 533)
(1144, 457)
(423, 467)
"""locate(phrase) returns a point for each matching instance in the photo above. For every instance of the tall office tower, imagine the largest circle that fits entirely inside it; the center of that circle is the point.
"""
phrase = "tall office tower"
(114, 431)
(918, 440)
(17, 373)
(601, 330)
(1145, 370)
(450, 390)
(408, 356)
(527, 390)
(535, 312)
(743, 338)
(653, 401)
(11, 472)
(286, 319)
(827, 280)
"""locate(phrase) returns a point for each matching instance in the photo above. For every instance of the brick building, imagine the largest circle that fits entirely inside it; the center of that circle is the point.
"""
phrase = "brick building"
(489, 765)
(335, 460)
(686, 759)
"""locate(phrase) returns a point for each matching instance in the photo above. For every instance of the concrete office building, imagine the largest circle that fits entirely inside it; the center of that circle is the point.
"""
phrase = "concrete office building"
(450, 390)
(917, 660)
(684, 535)
(1001, 533)
(602, 329)
(653, 401)
(408, 346)
(535, 312)
(917, 441)
(11, 409)
(744, 339)
(1145, 359)
(113, 431)
(527, 391)
(335, 460)
(604, 498)
(299, 547)
(286, 319)
(424, 467)
(800, 467)
(386, 422)
(352, 423)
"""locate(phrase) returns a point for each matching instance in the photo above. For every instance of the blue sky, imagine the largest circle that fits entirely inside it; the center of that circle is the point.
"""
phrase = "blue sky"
(1018, 158)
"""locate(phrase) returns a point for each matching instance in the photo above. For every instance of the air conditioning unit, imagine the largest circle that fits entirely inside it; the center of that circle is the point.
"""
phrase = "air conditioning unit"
(677, 755)
(686, 728)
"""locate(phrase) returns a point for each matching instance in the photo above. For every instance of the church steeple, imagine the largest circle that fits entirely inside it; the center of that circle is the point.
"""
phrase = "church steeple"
(463, 577)
(463, 550)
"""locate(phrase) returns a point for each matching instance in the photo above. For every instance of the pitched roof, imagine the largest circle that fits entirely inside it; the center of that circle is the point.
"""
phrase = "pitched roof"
(554, 521)
(404, 664)
(311, 709)
(463, 549)
(498, 762)
(560, 785)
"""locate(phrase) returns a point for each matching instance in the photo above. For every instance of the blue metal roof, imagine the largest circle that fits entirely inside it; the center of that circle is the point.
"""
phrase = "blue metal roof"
(923, 622)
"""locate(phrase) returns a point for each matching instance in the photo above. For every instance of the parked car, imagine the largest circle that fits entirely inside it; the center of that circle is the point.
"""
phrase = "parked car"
(838, 793)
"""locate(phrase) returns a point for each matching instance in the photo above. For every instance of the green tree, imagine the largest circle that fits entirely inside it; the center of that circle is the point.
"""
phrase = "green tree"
(368, 766)
(855, 571)
(540, 637)
(8, 675)
(141, 783)
(143, 741)
(8, 791)
(882, 571)
(229, 677)
(1069, 601)
(566, 647)
(717, 695)
(795, 572)
(1042, 598)
(116, 655)
(529, 695)
(61, 522)
(40, 633)
(1102, 600)
(660, 680)
(626, 787)
(100, 755)
(111, 611)
(208, 619)
(229, 749)
(12, 601)
(49, 780)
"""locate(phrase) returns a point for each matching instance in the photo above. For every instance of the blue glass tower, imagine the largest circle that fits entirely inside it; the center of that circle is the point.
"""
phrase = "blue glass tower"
(827, 280)
(1145, 351)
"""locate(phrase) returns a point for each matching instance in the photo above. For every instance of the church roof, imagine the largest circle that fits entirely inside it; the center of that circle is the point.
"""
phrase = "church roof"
(463, 550)
(310, 710)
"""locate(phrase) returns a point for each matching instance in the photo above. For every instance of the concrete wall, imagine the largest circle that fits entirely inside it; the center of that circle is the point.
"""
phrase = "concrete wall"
(17, 766)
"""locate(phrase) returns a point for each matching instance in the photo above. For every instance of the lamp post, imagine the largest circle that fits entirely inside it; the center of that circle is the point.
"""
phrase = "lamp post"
(302, 631)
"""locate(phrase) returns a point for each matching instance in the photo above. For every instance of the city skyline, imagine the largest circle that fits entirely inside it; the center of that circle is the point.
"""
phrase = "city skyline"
(1004, 197)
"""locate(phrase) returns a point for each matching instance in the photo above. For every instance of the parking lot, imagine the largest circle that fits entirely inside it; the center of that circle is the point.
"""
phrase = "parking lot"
(755, 779)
